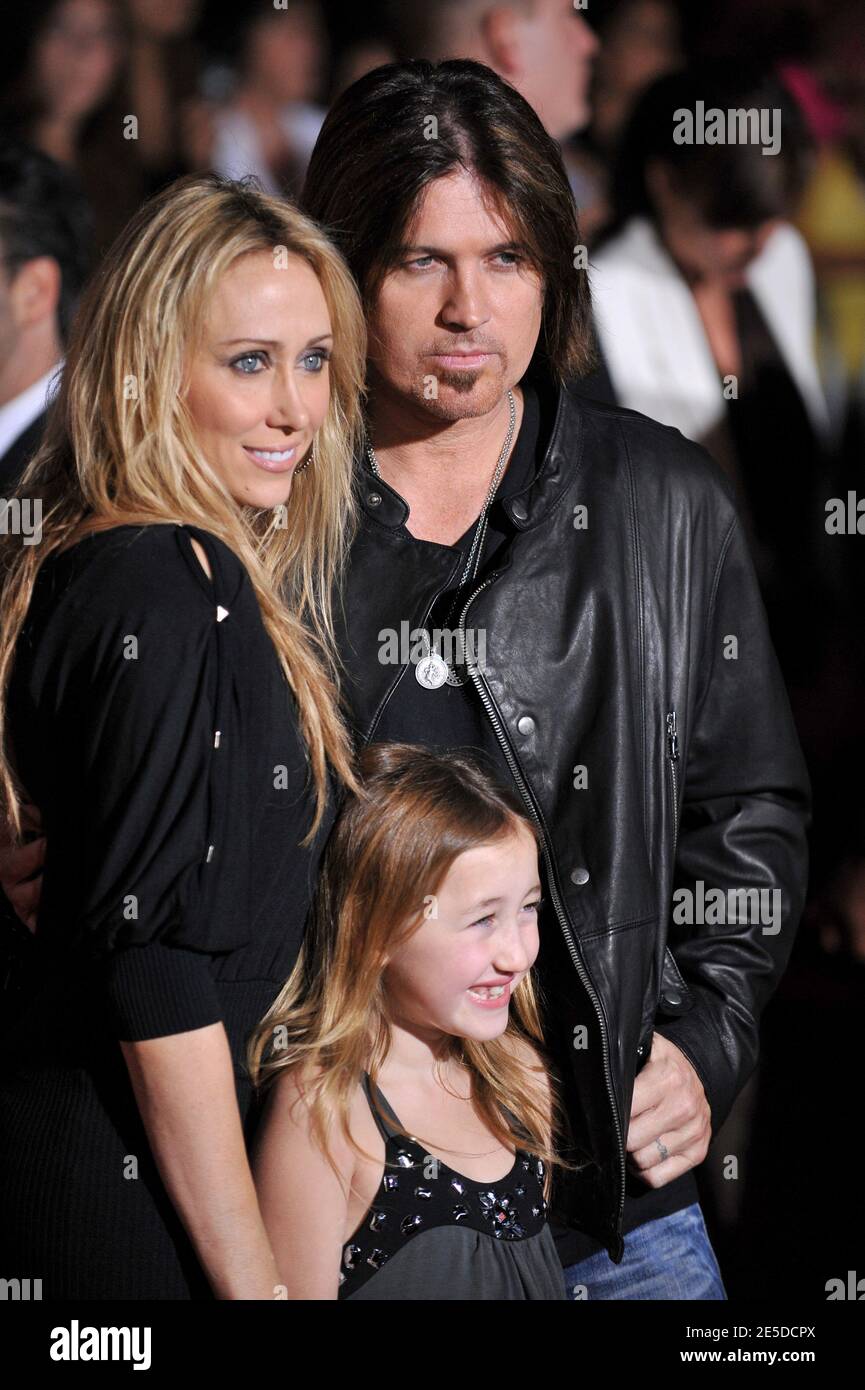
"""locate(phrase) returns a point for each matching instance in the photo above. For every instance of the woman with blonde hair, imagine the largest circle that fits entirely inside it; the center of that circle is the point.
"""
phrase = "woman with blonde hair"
(169, 697)
(406, 1148)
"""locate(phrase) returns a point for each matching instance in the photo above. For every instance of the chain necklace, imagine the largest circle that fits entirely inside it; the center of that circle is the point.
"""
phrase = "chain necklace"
(432, 670)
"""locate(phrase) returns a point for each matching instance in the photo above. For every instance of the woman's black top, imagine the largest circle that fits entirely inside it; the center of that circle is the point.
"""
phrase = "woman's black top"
(152, 725)
(433, 1233)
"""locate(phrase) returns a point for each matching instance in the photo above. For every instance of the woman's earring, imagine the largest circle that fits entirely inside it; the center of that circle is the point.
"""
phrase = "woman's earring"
(306, 462)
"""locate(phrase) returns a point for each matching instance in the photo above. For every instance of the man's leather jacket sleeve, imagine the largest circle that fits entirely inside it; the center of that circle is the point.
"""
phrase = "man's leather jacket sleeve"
(745, 809)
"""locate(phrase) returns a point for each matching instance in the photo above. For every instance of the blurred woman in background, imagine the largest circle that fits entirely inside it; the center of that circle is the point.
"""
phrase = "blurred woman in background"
(705, 310)
(272, 122)
(65, 68)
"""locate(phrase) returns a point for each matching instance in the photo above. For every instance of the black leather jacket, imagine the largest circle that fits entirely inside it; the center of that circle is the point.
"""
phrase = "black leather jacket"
(634, 645)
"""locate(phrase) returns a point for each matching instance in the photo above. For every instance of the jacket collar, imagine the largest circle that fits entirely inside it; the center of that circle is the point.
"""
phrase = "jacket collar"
(528, 507)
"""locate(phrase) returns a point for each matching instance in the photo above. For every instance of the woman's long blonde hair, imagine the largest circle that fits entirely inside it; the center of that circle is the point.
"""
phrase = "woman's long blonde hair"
(386, 857)
(120, 446)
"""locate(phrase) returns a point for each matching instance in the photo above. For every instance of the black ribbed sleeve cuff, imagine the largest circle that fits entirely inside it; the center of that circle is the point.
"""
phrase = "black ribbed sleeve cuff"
(155, 990)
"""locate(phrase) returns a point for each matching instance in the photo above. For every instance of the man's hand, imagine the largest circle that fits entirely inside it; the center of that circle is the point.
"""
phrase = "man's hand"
(669, 1104)
(18, 865)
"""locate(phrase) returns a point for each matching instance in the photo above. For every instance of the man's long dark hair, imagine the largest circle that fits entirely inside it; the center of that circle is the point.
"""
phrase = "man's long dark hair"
(378, 150)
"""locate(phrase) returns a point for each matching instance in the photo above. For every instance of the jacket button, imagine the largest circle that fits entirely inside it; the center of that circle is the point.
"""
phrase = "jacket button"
(672, 999)
(579, 875)
(526, 724)
(373, 498)
(519, 510)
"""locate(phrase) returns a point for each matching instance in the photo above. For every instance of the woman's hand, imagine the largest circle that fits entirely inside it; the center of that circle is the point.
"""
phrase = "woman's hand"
(184, 1086)
(21, 868)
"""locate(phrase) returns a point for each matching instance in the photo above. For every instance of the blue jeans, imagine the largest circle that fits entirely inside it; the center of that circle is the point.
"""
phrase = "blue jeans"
(669, 1258)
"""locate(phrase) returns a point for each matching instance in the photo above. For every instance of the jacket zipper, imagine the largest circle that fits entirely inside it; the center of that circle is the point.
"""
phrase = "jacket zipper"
(526, 794)
(672, 759)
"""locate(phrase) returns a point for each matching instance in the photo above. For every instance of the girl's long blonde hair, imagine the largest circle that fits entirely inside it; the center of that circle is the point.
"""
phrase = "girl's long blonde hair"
(387, 855)
(120, 447)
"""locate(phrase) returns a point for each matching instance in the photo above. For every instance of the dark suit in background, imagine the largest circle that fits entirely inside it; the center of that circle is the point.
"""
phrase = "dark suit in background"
(19, 454)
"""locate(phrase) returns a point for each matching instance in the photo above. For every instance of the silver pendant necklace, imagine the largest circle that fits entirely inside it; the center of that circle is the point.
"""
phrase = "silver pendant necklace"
(432, 671)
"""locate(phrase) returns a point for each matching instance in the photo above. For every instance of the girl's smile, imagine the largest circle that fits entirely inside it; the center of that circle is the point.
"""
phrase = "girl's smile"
(491, 996)
(457, 972)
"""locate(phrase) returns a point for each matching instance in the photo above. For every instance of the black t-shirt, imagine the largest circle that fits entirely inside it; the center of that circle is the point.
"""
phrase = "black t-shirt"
(452, 717)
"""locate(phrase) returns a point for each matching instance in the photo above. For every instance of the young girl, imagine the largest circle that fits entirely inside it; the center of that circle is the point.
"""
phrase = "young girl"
(404, 1148)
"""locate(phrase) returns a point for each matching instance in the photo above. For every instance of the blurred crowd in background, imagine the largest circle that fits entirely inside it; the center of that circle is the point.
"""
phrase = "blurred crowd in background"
(729, 292)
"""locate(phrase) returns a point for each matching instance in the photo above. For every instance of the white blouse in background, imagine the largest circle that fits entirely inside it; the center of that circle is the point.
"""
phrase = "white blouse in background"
(654, 341)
